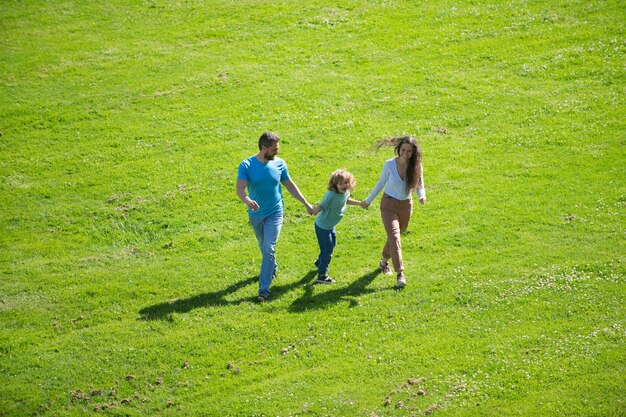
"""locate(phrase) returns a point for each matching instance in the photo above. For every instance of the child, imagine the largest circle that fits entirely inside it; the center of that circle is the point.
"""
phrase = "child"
(329, 213)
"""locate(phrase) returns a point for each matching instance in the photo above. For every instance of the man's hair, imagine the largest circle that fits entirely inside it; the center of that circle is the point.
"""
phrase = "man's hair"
(267, 139)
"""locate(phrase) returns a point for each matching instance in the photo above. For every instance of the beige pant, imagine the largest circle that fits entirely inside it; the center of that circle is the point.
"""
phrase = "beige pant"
(396, 215)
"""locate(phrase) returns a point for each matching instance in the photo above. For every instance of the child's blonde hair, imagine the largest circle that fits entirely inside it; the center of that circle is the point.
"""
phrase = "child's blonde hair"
(338, 176)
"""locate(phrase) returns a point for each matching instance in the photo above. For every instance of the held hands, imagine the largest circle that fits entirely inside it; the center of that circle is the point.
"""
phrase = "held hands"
(310, 209)
(315, 210)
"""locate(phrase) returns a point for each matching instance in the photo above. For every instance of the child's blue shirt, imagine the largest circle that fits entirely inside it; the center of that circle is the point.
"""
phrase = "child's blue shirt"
(333, 207)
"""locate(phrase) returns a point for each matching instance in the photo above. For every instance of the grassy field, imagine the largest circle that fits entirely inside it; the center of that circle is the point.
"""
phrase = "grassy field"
(128, 272)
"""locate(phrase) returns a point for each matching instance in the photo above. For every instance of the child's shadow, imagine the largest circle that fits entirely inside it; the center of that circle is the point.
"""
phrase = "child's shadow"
(322, 300)
(163, 311)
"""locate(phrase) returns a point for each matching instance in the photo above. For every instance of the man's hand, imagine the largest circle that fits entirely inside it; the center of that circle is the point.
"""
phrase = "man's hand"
(252, 205)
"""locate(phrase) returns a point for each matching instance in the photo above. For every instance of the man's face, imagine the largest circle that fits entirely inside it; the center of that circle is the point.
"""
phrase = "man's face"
(271, 152)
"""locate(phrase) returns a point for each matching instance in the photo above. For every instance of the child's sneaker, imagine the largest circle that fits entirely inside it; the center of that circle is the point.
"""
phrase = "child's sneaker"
(384, 267)
(324, 279)
(401, 283)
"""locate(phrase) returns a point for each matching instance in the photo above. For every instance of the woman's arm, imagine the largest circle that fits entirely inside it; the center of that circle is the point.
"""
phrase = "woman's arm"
(421, 192)
(384, 176)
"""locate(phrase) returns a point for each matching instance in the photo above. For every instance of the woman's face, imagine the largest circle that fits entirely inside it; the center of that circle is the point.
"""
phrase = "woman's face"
(406, 151)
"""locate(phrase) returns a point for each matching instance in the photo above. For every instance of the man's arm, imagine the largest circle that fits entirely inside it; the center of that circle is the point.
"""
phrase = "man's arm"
(241, 192)
(295, 192)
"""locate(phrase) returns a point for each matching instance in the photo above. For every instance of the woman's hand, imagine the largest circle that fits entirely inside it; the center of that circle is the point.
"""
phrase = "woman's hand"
(423, 200)
(364, 204)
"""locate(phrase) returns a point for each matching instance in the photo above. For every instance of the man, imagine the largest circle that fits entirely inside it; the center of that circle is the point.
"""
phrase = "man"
(262, 175)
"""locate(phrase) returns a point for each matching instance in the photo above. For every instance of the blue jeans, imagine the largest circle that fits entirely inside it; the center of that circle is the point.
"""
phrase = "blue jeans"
(327, 240)
(267, 230)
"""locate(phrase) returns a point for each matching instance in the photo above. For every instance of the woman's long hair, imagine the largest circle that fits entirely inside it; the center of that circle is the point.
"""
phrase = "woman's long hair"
(414, 170)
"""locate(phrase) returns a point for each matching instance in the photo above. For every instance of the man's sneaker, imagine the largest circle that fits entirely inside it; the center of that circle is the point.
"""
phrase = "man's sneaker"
(384, 267)
(324, 279)
(401, 280)
(263, 297)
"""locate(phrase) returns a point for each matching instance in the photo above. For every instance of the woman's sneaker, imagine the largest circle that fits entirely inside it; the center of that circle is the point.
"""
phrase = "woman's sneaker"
(384, 267)
(324, 279)
(401, 283)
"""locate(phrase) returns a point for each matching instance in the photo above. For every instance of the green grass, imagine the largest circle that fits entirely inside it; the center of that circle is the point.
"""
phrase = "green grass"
(128, 270)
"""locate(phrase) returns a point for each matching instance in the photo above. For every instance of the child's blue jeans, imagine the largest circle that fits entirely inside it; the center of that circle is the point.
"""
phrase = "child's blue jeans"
(327, 240)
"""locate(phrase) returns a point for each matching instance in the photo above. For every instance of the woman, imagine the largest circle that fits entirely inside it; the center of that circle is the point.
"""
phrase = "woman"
(400, 177)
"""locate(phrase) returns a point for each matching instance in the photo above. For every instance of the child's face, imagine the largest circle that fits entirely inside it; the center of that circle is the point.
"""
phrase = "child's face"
(342, 186)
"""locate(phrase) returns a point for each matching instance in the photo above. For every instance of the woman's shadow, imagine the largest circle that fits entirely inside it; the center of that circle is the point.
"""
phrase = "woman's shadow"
(321, 300)
(163, 311)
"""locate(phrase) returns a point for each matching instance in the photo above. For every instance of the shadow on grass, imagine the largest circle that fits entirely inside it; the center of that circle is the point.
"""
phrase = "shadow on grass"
(280, 290)
(350, 293)
(163, 311)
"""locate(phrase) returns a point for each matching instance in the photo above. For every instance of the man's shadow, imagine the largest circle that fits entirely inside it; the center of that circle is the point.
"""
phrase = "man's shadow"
(350, 294)
(163, 311)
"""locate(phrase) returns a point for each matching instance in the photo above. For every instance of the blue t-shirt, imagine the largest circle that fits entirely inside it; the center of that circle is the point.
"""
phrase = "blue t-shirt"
(334, 206)
(264, 183)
